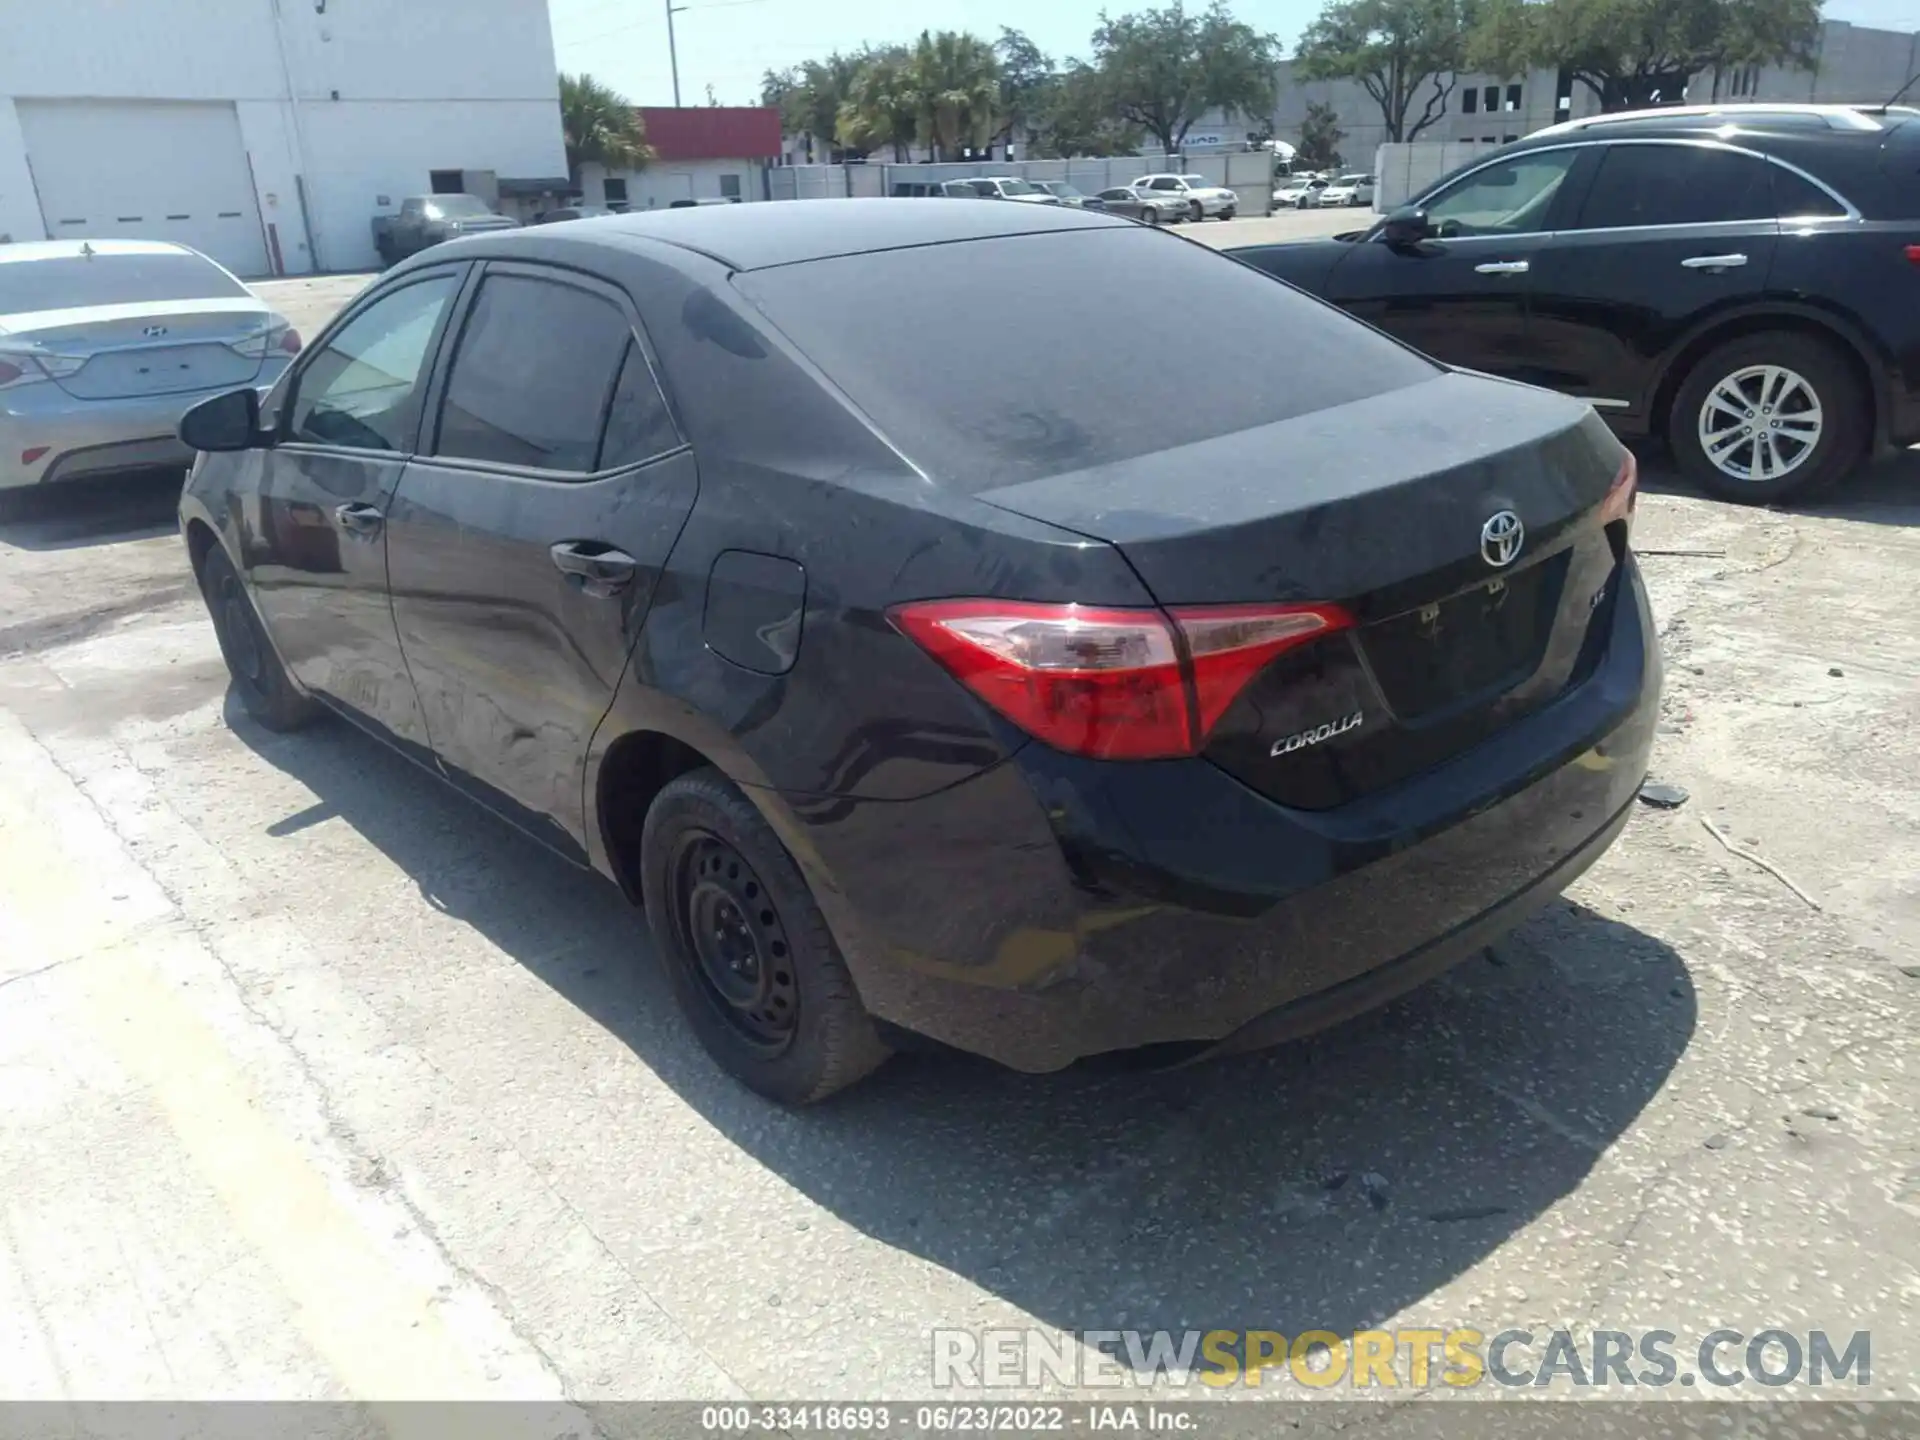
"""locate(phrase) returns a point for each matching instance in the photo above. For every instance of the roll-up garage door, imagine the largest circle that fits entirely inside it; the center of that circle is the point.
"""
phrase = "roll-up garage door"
(145, 170)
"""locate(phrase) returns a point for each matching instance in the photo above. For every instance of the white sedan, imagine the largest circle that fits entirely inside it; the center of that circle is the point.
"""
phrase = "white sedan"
(1202, 199)
(1347, 190)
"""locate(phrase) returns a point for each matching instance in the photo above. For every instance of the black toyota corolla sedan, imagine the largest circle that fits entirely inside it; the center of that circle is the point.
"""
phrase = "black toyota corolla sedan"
(931, 677)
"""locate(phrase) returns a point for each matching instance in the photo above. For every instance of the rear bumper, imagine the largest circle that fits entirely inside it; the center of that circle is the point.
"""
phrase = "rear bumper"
(80, 438)
(1054, 909)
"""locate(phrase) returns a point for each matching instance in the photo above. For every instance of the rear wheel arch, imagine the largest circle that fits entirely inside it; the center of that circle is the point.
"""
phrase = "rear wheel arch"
(635, 769)
(1832, 331)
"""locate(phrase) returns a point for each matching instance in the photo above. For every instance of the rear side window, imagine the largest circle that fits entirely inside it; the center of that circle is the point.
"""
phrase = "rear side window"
(1675, 185)
(529, 385)
(105, 278)
(996, 361)
(1795, 197)
(638, 425)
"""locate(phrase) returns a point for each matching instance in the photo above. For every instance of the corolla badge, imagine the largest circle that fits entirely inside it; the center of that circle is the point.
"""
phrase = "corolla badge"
(1501, 538)
(1304, 738)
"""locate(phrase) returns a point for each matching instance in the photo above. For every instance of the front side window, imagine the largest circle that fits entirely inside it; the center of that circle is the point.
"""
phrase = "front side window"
(1165, 182)
(1511, 197)
(360, 390)
(530, 380)
(1675, 185)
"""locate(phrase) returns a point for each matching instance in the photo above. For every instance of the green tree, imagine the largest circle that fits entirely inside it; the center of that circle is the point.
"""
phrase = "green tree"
(809, 97)
(1027, 81)
(1320, 137)
(1078, 119)
(1632, 53)
(956, 77)
(600, 127)
(1399, 51)
(1164, 69)
(882, 107)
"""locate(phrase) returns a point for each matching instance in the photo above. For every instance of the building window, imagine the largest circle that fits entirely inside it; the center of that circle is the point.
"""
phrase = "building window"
(1508, 139)
(446, 182)
(1513, 97)
(1488, 140)
(1469, 102)
(1493, 98)
(616, 187)
(730, 187)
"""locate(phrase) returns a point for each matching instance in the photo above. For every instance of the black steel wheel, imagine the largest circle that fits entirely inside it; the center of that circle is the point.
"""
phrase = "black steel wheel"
(259, 679)
(731, 932)
(755, 969)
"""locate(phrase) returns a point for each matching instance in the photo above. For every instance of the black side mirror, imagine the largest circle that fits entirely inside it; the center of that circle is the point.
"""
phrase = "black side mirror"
(226, 422)
(1408, 225)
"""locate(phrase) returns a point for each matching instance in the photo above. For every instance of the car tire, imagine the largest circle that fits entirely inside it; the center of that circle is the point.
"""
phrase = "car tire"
(753, 966)
(259, 679)
(1805, 375)
(1228, 213)
(1149, 215)
(1197, 211)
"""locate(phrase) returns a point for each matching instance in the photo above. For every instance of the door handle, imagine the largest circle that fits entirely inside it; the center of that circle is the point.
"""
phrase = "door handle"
(359, 518)
(1501, 267)
(1713, 262)
(594, 569)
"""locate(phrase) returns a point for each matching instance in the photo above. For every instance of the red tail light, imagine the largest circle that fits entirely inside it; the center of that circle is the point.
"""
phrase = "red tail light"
(1622, 494)
(1913, 254)
(290, 340)
(1117, 684)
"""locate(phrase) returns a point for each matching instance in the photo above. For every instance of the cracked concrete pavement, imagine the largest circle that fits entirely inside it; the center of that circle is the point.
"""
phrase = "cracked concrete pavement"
(321, 1084)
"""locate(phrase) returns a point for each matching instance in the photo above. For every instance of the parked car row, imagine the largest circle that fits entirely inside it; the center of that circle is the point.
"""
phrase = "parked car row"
(1153, 199)
(1308, 191)
(1739, 279)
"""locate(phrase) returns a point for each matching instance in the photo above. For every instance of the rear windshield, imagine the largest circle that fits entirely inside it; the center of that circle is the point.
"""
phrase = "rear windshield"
(68, 282)
(996, 361)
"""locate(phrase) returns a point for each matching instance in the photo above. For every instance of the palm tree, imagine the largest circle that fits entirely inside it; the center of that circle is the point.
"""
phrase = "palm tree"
(882, 105)
(600, 127)
(956, 79)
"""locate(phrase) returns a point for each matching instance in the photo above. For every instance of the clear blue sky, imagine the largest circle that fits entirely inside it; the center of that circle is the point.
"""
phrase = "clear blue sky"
(728, 43)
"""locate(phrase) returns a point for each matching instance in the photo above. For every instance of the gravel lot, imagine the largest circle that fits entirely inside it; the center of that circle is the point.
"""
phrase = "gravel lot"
(319, 1083)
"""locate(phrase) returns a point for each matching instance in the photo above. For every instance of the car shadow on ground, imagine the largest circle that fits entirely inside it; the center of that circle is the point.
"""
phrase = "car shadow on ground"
(74, 515)
(1883, 492)
(1331, 1183)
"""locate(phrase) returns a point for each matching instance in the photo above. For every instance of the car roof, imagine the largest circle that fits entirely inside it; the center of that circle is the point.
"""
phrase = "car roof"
(790, 232)
(1757, 115)
(69, 249)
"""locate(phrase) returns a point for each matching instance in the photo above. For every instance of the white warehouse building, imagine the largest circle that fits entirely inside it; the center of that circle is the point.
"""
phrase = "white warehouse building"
(267, 133)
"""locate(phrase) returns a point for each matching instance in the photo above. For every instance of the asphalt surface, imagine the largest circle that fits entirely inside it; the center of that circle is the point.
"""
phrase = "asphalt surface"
(317, 1083)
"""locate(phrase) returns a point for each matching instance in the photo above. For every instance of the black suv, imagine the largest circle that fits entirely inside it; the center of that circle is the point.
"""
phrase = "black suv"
(1744, 279)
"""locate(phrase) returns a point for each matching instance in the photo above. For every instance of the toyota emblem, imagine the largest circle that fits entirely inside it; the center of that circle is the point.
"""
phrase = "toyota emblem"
(154, 332)
(1501, 538)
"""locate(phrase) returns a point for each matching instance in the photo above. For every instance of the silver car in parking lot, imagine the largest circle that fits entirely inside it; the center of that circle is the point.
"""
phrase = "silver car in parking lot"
(105, 344)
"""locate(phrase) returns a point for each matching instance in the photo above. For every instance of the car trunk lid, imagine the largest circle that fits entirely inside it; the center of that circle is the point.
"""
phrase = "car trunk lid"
(105, 352)
(1387, 508)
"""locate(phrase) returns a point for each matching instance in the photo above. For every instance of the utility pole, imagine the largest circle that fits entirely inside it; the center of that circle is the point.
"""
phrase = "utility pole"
(673, 55)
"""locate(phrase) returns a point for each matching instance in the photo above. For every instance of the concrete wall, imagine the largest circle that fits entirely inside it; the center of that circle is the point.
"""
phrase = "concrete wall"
(663, 182)
(352, 101)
